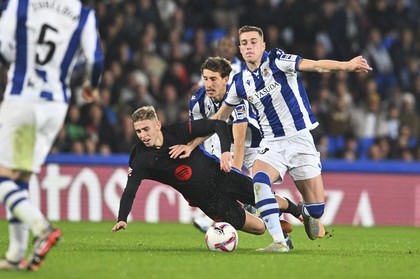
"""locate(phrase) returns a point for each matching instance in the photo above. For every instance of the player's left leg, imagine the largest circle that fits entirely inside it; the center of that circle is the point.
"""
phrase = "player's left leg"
(312, 209)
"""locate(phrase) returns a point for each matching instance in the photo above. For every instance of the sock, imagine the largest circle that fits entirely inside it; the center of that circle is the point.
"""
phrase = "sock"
(204, 222)
(267, 206)
(315, 210)
(18, 232)
(16, 201)
(18, 239)
(292, 208)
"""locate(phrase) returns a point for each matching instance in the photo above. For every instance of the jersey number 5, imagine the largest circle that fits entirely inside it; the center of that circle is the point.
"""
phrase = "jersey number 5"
(43, 41)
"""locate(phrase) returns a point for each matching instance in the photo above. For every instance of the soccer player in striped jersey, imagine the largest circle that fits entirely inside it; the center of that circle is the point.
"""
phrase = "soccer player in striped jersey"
(40, 41)
(246, 135)
(271, 83)
(202, 106)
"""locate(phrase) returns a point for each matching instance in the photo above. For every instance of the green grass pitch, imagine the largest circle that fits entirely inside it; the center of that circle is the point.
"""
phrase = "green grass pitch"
(170, 250)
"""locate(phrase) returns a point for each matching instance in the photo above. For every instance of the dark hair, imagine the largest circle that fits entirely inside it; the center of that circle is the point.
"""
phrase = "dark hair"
(217, 64)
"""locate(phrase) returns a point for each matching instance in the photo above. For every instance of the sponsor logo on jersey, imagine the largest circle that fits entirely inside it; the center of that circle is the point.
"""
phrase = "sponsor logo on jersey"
(263, 92)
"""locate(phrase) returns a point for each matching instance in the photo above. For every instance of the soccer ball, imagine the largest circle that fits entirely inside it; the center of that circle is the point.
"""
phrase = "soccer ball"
(221, 237)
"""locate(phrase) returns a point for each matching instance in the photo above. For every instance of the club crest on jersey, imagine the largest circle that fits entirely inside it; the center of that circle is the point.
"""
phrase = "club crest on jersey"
(265, 72)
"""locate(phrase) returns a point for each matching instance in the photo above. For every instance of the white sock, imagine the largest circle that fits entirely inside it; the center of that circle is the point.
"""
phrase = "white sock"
(267, 205)
(204, 222)
(18, 203)
(18, 241)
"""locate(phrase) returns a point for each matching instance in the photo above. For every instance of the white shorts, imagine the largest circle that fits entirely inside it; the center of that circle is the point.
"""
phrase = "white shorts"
(296, 155)
(27, 132)
(251, 154)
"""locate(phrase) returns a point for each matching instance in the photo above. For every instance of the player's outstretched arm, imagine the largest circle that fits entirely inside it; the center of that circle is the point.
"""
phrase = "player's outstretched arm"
(357, 64)
(118, 226)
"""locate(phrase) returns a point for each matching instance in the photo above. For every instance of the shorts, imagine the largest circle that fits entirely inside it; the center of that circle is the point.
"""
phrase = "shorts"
(251, 154)
(222, 198)
(27, 132)
(296, 155)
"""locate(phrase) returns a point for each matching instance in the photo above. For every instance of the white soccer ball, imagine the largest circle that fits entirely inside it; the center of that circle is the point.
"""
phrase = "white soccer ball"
(222, 237)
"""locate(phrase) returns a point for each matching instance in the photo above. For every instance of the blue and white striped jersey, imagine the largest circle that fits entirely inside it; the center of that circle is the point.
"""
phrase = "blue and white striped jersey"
(42, 40)
(202, 106)
(277, 93)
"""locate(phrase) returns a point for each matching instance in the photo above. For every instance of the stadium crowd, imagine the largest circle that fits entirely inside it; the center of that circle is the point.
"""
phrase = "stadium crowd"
(154, 50)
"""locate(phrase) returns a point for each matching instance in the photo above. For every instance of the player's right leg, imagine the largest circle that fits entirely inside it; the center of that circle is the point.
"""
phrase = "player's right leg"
(267, 205)
(16, 201)
(18, 239)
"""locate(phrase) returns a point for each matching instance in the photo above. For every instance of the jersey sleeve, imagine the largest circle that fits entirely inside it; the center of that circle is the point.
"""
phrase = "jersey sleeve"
(236, 91)
(239, 114)
(8, 23)
(196, 106)
(285, 62)
(133, 183)
(204, 127)
(92, 51)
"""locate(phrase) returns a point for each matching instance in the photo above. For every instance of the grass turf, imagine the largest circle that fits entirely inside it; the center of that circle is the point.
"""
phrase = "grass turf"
(169, 250)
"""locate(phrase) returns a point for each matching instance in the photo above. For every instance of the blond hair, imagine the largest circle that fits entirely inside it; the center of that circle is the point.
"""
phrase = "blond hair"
(144, 113)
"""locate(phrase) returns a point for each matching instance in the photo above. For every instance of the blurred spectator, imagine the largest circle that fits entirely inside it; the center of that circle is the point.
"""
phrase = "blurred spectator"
(98, 129)
(347, 30)
(408, 114)
(380, 60)
(369, 121)
(126, 135)
(403, 143)
(349, 152)
(226, 13)
(74, 130)
(170, 103)
(62, 143)
(393, 121)
(338, 121)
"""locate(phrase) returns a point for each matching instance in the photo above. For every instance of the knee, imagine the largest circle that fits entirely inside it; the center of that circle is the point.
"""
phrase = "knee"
(315, 210)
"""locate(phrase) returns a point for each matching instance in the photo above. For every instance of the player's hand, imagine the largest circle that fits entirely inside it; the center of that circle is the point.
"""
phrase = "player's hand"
(89, 94)
(226, 161)
(359, 64)
(118, 226)
(180, 150)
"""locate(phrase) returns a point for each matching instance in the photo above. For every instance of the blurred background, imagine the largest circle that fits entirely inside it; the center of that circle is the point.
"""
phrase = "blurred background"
(154, 50)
